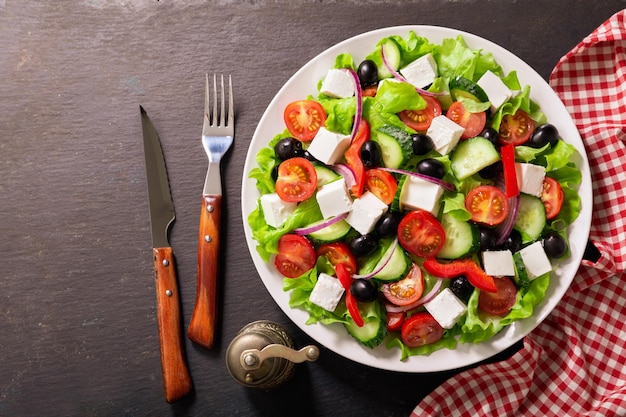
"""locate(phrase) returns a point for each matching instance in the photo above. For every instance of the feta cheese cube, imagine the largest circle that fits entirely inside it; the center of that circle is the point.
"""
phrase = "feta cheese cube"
(446, 308)
(421, 72)
(530, 178)
(334, 198)
(328, 147)
(338, 83)
(445, 134)
(495, 89)
(420, 194)
(327, 292)
(366, 211)
(535, 260)
(275, 210)
(499, 263)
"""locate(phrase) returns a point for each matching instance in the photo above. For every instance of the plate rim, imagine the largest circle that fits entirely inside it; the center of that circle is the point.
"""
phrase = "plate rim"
(336, 339)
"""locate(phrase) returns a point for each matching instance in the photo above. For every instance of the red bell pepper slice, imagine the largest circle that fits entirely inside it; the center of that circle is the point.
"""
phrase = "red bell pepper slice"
(351, 303)
(475, 275)
(353, 158)
(511, 189)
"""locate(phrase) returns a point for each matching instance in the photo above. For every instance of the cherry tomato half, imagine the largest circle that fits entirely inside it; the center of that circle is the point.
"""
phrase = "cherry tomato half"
(406, 291)
(421, 234)
(487, 205)
(297, 180)
(395, 320)
(338, 253)
(552, 197)
(516, 128)
(473, 123)
(382, 184)
(420, 120)
(498, 303)
(304, 118)
(421, 329)
(296, 256)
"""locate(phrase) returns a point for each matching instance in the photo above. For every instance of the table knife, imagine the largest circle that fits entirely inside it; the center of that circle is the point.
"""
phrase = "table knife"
(176, 379)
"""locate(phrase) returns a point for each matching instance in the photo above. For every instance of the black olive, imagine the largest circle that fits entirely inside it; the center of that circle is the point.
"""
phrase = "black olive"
(543, 135)
(371, 154)
(363, 290)
(431, 167)
(275, 173)
(307, 155)
(488, 239)
(491, 135)
(363, 245)
(288, 148)
(554, 245)
(492, 171)
(368, 73)
(422, 144)
(513, 242)
(387, 225)
(461, 287)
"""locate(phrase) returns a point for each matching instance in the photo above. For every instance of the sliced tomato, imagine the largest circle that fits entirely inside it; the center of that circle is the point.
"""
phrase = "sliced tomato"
(487, 205)
(338, 253)
(552, 197)
(407, 290)
(304, 118)
(420, 120)
(516, 128)
(421, 234)
(370, 91)
(473, 123)
(395, 320)
(382, 184)
(421, 329)
(498, 303)
(475, 275)
(353, 158)
(297, 180)
(508, 167)
(296, 256)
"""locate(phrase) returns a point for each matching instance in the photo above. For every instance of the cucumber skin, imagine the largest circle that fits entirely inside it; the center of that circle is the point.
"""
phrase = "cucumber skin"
(531, 218)
(374, 331)
(396, 145)
(337, 232)
(467, 88)
(471, 240)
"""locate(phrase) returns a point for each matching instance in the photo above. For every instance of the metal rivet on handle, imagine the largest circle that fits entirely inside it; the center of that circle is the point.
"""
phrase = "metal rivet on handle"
(209, 208)
(168, 293)
(166, 262)
(208, 238)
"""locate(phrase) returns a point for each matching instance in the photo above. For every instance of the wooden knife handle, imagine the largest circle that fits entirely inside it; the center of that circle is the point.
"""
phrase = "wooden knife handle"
(176, 380)
(204, 317)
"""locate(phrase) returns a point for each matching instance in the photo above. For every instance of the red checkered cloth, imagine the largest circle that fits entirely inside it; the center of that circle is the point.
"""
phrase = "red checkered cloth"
(574, 362)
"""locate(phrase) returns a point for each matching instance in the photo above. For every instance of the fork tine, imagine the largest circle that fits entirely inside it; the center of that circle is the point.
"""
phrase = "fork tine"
(231, 112)
(222, 105)
(207, 100)
(214, 114)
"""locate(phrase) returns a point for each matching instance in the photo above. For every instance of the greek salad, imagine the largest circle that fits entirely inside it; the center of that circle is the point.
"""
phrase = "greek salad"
(420, 198)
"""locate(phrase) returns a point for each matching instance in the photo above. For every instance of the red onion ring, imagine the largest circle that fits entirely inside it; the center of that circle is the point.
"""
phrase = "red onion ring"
(446, 185)
(359, 103)
(371, 274)
(346, 172)
(504, 229)
(399, 77)
(392, 308)
(319, 226)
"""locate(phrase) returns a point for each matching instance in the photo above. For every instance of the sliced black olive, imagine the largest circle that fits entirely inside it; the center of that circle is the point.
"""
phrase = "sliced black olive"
(371, 154)
(363, 290)
(431, 167)
(288, 148)
(368, 73)
(422, 144)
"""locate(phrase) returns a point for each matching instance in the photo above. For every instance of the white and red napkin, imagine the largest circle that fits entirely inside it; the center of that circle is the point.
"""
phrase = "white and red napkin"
(574, 362)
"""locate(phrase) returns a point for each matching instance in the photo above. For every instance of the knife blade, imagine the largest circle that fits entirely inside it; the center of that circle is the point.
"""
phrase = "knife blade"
(176, 379)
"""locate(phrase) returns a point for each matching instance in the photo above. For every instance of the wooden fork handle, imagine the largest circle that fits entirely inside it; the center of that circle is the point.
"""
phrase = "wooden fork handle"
(176, 380)
(204, 316)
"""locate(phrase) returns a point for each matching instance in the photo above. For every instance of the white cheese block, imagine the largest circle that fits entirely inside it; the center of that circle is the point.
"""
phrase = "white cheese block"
(499, 263)
(444, 133)
(535, 260)
(446, 308)
(338, 83)
(328, 147)
(421, 72)
(366, 211)
(275, 210)
(495, 89)
(327, 292)
(530, 178)
(334, 198)
(418, 193)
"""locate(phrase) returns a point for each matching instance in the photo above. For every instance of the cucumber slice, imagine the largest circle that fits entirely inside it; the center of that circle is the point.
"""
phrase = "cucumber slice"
(374, 330)
(531, 218)
(521, 276)
(464, 87)
(392, 56)
(325, 175)
(395, 144)
(472, 155)
(332, 233)
(462, 238)
(396, 268)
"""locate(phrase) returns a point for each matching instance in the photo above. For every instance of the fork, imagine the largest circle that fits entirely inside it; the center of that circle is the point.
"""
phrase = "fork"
(217, 137)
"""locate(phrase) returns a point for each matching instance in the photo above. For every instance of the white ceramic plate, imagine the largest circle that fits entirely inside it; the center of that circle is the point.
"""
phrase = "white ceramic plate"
(335, 337)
